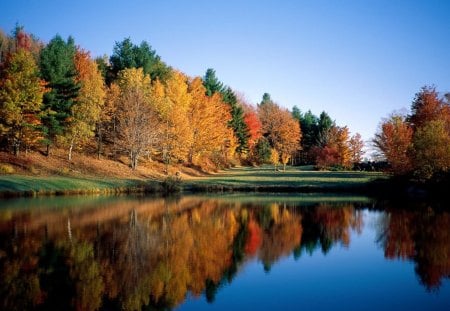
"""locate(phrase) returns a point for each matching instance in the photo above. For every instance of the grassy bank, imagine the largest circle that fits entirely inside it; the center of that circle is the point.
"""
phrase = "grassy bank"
(17, 185)
(242, 179)
(294, 179)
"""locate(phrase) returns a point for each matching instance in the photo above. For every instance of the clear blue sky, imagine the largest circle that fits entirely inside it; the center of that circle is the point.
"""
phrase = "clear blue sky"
(357, 60)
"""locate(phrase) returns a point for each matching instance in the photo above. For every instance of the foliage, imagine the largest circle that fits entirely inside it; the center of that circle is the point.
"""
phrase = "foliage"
(418, 144)
(236, 122)
(431, 149)
(394, 140)
(171, 184)
(21, 94)
(338, 150)
(262, 151)
(127, 55)
(136, 126)
(89, 102)
(58, 69)
(208, 118)
(280, 129)
(274, 157)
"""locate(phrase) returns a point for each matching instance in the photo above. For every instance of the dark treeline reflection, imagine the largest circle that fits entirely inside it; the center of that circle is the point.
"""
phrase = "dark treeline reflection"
(150, 254)
(421, 235)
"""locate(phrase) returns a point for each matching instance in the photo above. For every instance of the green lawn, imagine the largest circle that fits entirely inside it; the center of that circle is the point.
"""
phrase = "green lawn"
(300, 178)
(29, 185)
(244, 179)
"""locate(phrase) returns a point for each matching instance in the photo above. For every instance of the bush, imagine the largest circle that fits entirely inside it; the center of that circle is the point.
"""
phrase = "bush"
(6, 169)
(171, 184)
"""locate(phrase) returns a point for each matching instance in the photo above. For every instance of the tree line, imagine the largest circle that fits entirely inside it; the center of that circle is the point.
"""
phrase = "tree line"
(57, 95)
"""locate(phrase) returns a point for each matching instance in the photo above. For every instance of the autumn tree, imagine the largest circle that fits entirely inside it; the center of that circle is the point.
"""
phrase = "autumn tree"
(137, 119)
(88, 104)
(172, 102)
(274, 158)
(431, 149)
(254, 126)
(427, 106)
(394, 140)
(337, 149)
(21, 94)
(356, 145)
(236, 122)
(280, 128)
(208, 117)
(58, 69)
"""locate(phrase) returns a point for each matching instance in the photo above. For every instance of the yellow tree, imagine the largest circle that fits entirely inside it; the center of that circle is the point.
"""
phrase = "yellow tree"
(289, 135)
(136, 119)
(274, 157)
(89, 103)
(172, 106)
(208, 118)
(21, 93)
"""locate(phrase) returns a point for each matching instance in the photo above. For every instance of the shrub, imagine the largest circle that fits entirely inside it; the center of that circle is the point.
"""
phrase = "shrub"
(171, 184)
(6, 169)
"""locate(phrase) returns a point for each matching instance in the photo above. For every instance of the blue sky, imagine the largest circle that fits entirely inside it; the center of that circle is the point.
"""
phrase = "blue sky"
(357, 60)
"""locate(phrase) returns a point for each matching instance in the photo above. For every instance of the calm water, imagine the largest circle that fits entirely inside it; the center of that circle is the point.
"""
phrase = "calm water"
(223, 253)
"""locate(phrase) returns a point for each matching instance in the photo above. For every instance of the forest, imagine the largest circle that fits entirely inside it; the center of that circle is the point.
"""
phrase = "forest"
(55, 95)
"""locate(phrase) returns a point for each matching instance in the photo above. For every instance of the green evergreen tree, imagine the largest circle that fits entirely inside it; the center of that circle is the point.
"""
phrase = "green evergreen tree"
(324, 125)
(237, 122)
(128, 55)
(211, 83)
(58, 69)
(266, 99)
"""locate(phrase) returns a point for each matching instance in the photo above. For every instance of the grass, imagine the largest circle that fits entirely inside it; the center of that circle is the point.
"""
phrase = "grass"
(265, 178)
(18, 185)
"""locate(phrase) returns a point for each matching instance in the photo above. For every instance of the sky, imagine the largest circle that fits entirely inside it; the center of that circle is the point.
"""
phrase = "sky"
(358, 60)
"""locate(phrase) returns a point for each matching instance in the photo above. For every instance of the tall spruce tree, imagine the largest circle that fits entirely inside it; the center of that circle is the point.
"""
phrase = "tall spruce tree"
(58, 69)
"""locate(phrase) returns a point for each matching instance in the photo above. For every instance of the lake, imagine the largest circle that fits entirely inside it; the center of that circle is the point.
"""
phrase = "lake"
(227, 252)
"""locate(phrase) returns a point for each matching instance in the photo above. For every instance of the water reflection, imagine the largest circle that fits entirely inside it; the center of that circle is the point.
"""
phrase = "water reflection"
(128, 253)
(422, 236)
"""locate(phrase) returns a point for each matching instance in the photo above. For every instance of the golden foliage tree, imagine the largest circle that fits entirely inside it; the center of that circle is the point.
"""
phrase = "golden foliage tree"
(208, 117)
(89, 103)
(136, 116)
(172, 102)
(21, 94)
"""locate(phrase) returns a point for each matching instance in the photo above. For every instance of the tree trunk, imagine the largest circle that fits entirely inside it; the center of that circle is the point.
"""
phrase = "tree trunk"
(134, 160)
(47, 152)
(70, 149)
(99, 143)
(16, 148)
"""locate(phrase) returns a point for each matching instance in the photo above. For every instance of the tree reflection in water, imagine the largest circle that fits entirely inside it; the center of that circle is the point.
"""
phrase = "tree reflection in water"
(131, 254)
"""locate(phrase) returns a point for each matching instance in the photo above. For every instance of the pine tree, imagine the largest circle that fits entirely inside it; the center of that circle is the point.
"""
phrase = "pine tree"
(58, 69)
